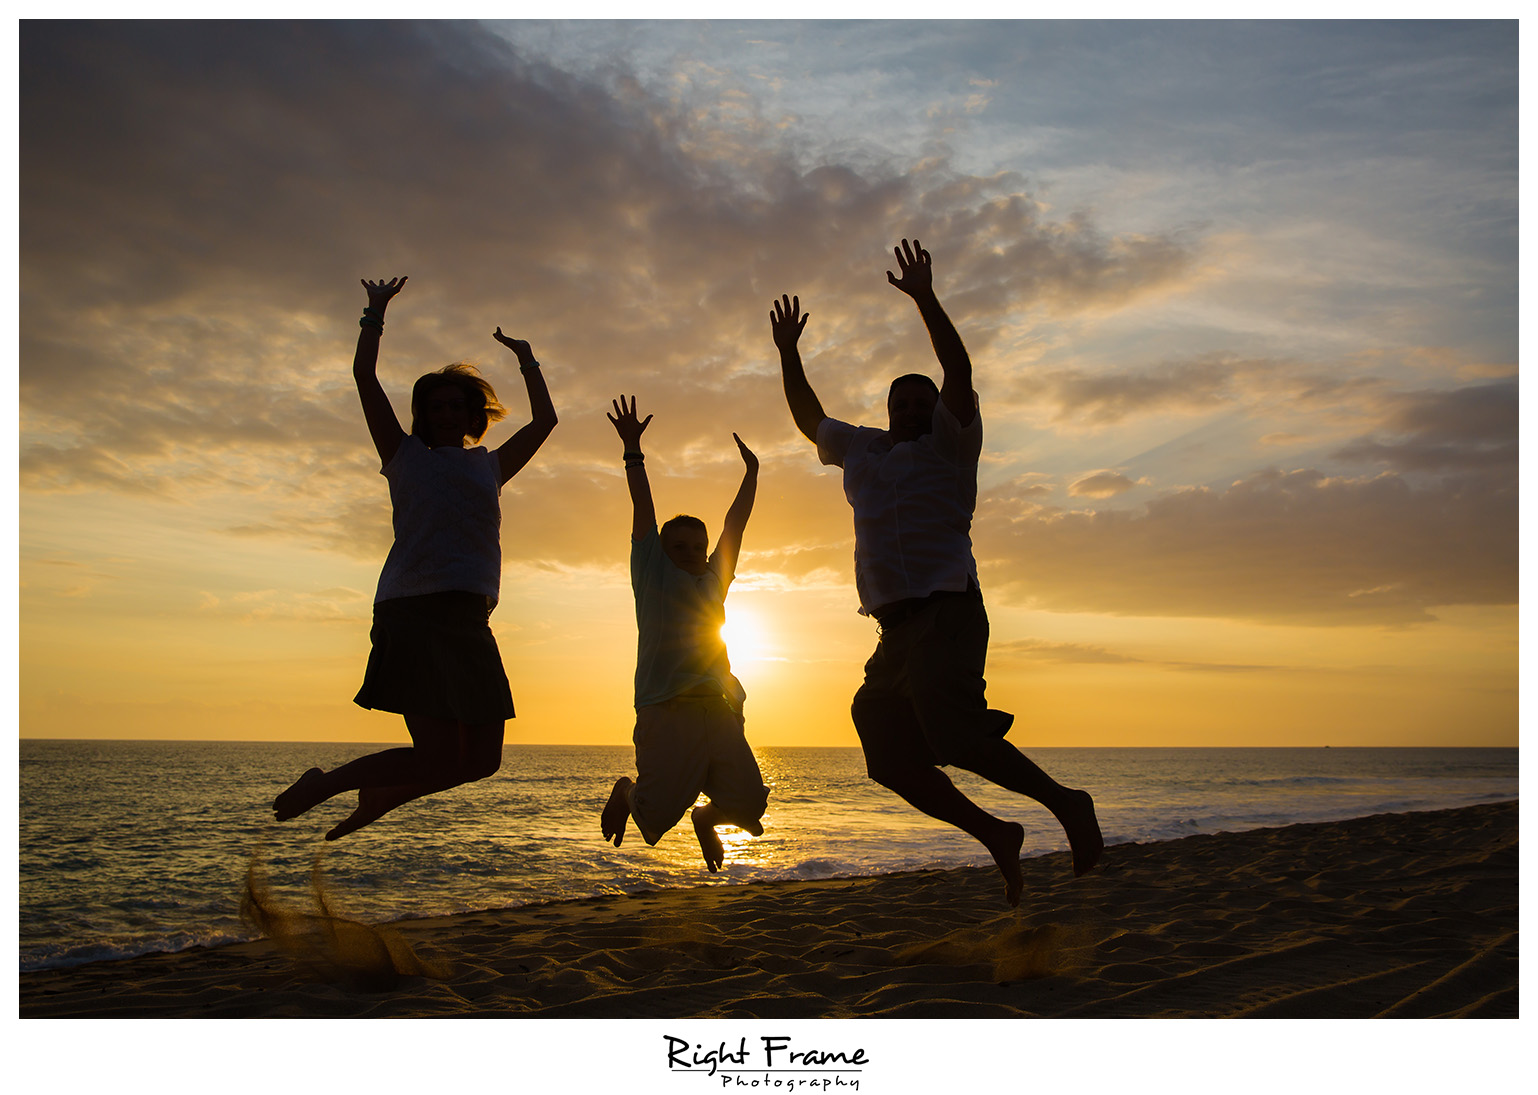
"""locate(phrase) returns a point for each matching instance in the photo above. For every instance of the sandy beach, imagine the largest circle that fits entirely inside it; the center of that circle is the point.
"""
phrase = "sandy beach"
(1391, 916)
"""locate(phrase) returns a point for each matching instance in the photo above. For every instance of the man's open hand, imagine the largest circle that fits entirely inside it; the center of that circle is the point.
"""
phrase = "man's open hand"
(917, 274)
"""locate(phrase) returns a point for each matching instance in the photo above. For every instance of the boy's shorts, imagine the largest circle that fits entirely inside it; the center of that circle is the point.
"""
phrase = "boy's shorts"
(686, 745)
(922, 702)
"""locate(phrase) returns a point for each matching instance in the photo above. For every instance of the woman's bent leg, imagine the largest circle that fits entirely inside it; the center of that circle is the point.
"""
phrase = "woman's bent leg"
(445, 754)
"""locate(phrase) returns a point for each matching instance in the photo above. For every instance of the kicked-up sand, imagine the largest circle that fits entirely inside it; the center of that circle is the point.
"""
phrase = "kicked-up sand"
(1391, 916)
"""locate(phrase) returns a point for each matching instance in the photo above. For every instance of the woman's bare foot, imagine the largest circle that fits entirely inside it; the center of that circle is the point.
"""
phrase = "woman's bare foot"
(373, 804)
(710, 843)
(306, 793)
(1005, 849)
(617, 811)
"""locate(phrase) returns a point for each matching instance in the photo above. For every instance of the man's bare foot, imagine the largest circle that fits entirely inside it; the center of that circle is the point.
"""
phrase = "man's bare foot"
(304, 794)
(373, 804)
(1083, 831)
(617, 811)
(1005, 849)
(710, 843)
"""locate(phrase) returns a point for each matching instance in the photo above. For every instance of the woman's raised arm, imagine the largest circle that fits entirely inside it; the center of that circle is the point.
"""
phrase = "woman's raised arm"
(383, 426)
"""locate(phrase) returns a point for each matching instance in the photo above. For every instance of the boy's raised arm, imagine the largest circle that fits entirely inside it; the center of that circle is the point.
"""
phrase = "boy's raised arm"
(519, 449)
(786, 322)
(918, 282)
(730, 544)
(383, 426)
(630, 429)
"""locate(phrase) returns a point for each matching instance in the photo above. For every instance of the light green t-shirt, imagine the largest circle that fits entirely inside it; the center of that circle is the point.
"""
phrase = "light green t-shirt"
(679, 618)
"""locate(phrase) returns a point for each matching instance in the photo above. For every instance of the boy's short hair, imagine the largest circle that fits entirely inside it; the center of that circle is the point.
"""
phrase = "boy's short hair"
(683, 520)
(913, 378)
(479, 397)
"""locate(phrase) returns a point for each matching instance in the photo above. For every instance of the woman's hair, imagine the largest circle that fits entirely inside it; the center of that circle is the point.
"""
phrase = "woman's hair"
(479, 397)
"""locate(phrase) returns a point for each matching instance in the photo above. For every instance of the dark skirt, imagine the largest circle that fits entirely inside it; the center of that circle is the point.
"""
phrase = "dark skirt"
(435, 655)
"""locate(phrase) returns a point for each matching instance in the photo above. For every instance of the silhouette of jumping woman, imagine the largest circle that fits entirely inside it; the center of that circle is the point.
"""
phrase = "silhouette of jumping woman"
(688, 725)
(913, 488)
(433, 658)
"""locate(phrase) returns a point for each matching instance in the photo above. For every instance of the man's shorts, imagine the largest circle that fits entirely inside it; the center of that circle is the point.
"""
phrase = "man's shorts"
(686, 745)
(922, 701)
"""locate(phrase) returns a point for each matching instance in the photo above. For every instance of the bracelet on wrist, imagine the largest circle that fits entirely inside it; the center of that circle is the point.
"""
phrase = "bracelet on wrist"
(373, 322)
(637, 457)
(530, 366)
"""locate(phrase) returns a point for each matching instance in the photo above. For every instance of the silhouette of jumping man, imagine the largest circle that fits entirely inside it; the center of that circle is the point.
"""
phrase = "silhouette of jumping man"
(689, 726)
(913, 488)
(434, 659)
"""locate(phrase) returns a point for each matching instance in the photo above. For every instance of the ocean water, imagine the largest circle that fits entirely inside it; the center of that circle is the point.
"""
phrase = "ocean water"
(132, 847)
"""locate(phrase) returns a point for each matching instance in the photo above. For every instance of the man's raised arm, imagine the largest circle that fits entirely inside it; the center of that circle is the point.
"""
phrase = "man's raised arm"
(918, 282)
(785, 323)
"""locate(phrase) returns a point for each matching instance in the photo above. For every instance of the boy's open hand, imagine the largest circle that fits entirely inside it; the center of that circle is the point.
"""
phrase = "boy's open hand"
(917, 273)
(380, 292)
(786, 322)
(626, 424)
(747, 454)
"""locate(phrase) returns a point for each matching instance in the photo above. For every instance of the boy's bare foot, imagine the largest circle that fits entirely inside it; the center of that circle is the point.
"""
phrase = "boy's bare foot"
(304, 794)
(710, 843)
(617, 811)
(1083, 831)
(1005, 848)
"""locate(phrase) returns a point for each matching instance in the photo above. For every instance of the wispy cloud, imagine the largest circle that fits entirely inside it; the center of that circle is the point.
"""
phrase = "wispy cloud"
(1279, 546)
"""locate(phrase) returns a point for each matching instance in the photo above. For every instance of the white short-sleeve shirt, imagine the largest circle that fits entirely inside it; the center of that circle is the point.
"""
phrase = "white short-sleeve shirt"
(447, 516)
(913, 503)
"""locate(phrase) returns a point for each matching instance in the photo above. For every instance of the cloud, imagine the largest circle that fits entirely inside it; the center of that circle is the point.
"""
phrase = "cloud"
(1103, 484)
(1464, 429)
(1027, 651)
(1278, 546)
(1197, 385)
(1044, 650)
(334, 605)
(188, 315)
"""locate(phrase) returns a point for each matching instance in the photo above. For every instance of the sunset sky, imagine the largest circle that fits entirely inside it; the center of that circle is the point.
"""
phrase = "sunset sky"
(1241, 300)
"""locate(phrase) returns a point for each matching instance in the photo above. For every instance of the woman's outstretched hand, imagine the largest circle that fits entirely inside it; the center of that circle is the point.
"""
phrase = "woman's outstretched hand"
(380, 292)
(524, 351)
(626, 424)
(917, 273)
(747, 454)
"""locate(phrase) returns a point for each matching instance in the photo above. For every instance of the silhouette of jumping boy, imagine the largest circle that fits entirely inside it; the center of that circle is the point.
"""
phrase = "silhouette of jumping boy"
(688, 731)
(913, 488)
(434, 659)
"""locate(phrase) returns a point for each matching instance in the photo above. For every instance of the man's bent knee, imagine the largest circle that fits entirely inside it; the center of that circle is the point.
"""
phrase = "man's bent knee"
(894, 775)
